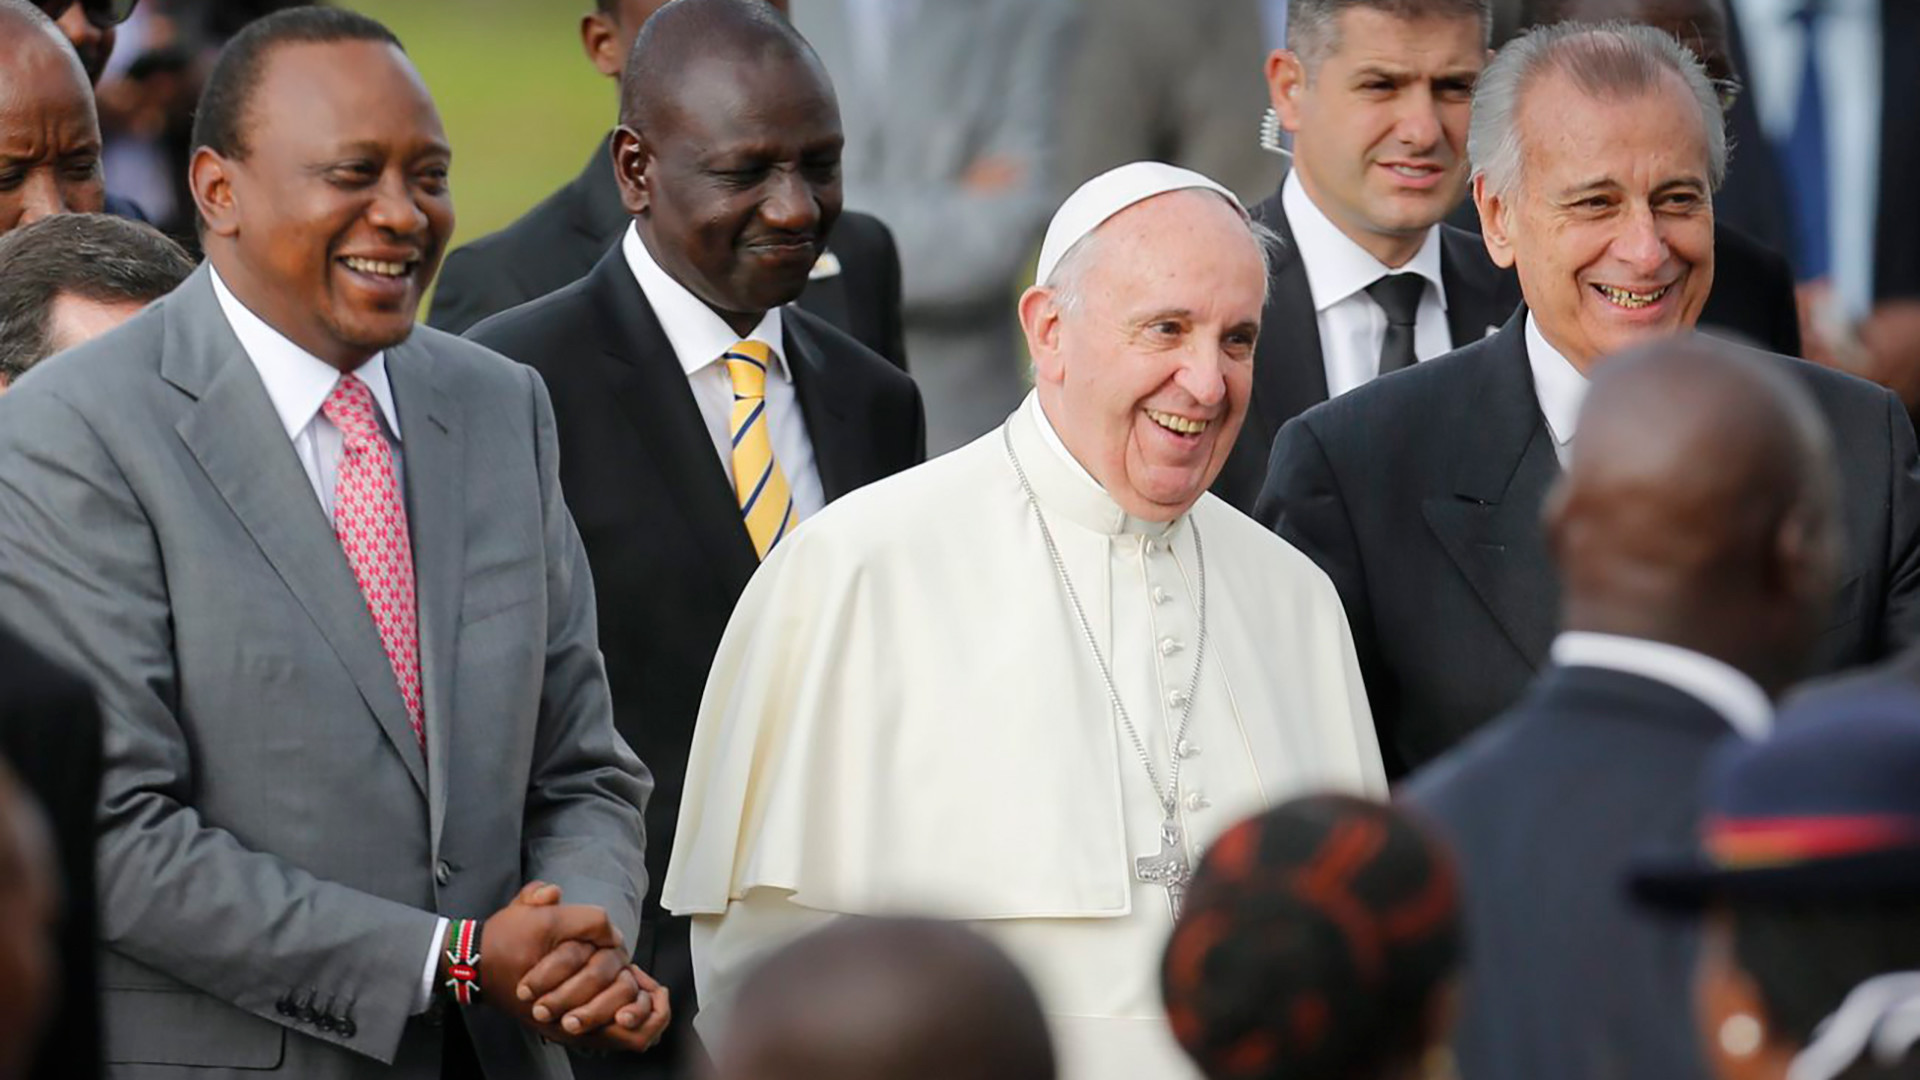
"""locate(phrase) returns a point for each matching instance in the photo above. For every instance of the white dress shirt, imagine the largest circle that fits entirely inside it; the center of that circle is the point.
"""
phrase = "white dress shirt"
(700, 338)
(1352, 326)
(1560, 388)
(1720, 686)
(298, 383)
(1851, 89)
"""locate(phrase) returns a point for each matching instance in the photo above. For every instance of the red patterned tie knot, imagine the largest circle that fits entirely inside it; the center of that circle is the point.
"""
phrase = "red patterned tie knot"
(350, 407)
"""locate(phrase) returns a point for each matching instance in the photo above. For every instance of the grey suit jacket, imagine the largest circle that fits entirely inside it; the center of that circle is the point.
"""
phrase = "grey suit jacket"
(1182, 83)
(970, 79)
(273, 846)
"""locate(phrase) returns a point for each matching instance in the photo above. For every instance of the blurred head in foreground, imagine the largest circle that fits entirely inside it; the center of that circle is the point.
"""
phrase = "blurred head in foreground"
(887, 999)
(1320, 941)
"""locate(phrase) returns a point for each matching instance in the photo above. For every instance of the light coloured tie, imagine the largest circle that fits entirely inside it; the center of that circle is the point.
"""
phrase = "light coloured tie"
(765, 503)
(371, 521)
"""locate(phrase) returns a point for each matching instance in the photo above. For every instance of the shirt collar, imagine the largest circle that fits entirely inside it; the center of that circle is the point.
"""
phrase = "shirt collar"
(1336, 266)
(1065, 485)
(698, 335)
(297, 381)
(1558, 384)
(1722, 687)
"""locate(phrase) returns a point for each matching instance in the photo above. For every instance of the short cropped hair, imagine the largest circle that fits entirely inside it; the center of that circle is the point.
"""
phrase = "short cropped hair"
(220, 121)
(95, 256)
(1611, 61)
(1313, 30)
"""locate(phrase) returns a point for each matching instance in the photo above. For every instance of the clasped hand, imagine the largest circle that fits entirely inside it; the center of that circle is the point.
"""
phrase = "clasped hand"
(563, 970)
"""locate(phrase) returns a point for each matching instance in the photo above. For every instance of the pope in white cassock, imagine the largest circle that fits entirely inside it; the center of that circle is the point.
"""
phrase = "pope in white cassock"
(1024, 684)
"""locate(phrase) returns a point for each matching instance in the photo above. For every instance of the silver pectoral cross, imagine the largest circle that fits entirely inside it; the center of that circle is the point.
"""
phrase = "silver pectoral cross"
(1169, 868)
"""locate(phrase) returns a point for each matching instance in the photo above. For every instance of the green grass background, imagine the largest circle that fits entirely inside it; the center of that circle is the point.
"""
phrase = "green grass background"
(522, 106)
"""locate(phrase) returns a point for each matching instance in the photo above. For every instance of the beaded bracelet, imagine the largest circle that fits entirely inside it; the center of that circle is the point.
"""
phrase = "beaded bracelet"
(463, 960)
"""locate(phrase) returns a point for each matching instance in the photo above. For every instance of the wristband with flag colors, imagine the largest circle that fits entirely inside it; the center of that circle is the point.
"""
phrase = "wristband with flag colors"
(463, 960)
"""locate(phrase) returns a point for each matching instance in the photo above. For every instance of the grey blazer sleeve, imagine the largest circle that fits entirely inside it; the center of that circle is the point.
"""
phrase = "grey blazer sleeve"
(587, 791)
(80, 572)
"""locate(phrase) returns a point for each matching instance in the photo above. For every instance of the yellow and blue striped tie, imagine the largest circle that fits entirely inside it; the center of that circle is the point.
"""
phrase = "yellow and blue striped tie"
(765, 502)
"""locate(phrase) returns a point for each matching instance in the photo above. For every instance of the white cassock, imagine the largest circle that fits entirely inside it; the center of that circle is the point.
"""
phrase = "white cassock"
(904, 717)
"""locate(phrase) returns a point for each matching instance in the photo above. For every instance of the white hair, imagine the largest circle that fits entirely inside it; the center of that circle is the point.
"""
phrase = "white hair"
(1612, 60)
(1068, 277)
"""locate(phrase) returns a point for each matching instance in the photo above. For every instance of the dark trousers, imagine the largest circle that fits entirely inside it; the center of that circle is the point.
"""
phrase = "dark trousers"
(457, 1059)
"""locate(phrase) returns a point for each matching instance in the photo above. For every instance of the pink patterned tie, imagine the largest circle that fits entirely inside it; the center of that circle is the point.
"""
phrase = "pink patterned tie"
(371, 521)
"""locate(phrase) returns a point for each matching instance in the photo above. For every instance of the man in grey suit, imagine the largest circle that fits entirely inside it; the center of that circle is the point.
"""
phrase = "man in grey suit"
(949, 113)
(340, 622)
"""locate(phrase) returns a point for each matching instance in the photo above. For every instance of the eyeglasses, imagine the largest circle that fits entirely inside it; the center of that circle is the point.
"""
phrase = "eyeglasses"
(101, 13)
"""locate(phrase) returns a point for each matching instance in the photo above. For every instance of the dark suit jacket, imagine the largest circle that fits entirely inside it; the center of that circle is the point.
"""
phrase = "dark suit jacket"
(50, 734)
(1755, 194)
(1420, 495)
(1289, 373)
(1566, 977)
(663, 531)
(558, 241)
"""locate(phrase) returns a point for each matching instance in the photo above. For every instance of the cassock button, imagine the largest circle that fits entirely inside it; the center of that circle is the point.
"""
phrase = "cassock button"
(1174, 701)
(442, 872)
(1169, 646)
(1158, 595)
(1187, 749)
(1197, 801)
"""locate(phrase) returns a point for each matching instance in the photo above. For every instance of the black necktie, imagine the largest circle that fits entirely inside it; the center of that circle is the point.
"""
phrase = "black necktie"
(1399, 296)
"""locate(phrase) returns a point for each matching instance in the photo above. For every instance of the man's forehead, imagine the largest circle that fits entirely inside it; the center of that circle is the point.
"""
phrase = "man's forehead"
(332, 88)
(1366, 35)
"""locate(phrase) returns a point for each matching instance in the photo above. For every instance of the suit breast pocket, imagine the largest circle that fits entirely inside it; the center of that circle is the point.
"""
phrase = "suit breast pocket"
(502, 587)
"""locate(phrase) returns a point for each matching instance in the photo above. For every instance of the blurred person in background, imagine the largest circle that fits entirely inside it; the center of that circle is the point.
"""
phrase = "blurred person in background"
(887, 999)
(701, 419)
(1376, 95)
(1180, 83)
(90, 26)
(50, 736)
(1322, 941)
(1805, 879)
(49, 132)
(1595, 152)
(1752, 298)
(1696, 536)
(1829, 132)
(854, 284)
(950, 111)
(72, 277)
(30, 909)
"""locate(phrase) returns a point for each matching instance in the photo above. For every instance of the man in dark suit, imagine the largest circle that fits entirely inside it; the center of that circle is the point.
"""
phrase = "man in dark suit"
(316, 563)
(1420, 495)
(50, 734)
(1367, 280)
(855, 285)
(643, 358)
(1696, 535)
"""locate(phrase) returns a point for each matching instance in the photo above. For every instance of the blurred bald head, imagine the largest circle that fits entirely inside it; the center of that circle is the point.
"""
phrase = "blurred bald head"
(607, 32)
(49, 130)
(887, 999)
(1699, 508)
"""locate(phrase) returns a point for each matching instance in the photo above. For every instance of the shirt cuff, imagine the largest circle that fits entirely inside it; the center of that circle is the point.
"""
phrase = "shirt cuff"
(424, 999)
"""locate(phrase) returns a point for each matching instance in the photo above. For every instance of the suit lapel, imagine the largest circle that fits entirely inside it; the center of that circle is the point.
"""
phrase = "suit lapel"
(836, 450)
(1490, 525)
(652, 388)
(235, 435)
(1289, 372)
(432, 452)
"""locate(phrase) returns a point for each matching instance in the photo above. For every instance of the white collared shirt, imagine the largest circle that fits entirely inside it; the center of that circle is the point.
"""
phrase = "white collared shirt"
(1722, 687)
(1352, 326)
(1851, 91)
(700, 338)
(1560, 387)
(298, 383)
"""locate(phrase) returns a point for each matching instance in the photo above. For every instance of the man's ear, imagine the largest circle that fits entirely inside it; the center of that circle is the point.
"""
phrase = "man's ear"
(631, 156)
(1286, 81)
(1493, 222)
(600, 40)
(210, 178)
(1040, 321)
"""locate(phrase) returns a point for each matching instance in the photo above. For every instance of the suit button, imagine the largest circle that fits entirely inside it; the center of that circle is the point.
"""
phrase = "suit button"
(442, 872)
(284, 1007)
(324, 1023)
(346, 1029)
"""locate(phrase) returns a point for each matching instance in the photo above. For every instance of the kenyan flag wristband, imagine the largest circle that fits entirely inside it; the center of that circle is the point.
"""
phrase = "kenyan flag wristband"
(463, 960)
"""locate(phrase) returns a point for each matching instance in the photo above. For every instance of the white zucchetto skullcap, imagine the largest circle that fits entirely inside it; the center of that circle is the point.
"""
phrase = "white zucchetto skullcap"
(1109, 193)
